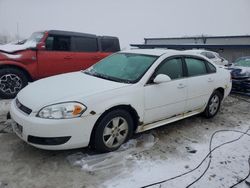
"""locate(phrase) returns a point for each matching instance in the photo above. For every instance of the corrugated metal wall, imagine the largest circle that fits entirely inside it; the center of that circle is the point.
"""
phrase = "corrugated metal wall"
(244, 40)
(231, 54)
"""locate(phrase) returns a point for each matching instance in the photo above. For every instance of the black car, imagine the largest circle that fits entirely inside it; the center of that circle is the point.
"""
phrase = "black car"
(240, 71)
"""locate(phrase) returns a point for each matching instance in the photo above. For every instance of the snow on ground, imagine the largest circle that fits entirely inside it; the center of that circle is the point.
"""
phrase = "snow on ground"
(126, 153)
(4, 106)
(229, 164)
(153, 156)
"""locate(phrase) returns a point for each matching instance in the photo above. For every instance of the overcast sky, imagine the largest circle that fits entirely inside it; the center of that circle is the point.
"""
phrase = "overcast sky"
(130, 20)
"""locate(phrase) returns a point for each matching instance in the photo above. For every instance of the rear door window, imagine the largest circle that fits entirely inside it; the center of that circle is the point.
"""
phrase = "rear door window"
(84, 44)
(195, 66)
(210, 55)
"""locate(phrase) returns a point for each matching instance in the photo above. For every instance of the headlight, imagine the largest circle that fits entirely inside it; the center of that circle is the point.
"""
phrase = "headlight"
(62, 110)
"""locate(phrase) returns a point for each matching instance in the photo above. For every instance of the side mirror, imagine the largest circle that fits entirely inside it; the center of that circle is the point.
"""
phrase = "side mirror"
(161, 78)
(41, 46)
(228, 65)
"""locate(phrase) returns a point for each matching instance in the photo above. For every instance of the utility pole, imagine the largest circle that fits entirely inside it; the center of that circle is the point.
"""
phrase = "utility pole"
(17, 29)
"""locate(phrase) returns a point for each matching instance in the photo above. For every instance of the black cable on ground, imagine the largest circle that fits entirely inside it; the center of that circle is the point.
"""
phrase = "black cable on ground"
(244, 179)
(211, 150)
(208, 155)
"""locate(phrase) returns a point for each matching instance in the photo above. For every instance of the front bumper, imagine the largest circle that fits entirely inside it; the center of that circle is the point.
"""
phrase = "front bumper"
(241, 85)
(76, 131)
(228, 89)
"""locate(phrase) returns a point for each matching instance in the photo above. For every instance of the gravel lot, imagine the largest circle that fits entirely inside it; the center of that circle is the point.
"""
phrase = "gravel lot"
(150, 157)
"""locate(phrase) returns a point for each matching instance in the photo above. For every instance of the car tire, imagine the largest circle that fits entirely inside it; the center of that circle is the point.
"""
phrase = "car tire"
(213, 105)
(114, 129)
(11, 82)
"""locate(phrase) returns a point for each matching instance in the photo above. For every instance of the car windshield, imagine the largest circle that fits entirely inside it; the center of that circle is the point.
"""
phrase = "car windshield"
(243, 63)
(35, 37)
(122, 67)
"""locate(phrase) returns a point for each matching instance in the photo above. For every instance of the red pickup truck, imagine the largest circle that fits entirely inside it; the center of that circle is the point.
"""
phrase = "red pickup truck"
(49, 53)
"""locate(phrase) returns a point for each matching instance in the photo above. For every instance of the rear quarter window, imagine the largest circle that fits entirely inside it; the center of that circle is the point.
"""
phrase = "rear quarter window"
(110, 44)
(209, 55)
(211, 68)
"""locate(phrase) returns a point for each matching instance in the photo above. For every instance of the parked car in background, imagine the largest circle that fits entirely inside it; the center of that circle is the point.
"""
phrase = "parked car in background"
(240, 71)
(48, 53)
(213, 56)
(125, 93)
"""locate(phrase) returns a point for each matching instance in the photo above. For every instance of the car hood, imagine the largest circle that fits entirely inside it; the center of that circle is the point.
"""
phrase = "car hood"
(76, 85)
(239, 72)
(12, 48)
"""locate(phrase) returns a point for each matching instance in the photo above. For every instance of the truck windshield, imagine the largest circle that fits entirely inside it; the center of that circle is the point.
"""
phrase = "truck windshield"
(122, 67)
(35, 37)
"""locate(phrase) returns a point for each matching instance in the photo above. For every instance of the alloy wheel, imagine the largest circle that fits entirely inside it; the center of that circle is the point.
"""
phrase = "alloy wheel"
(10, 83)
(214, 104)
(115, 132)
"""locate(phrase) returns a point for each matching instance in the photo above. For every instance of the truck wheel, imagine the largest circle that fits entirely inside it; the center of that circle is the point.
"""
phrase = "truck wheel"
(11, 82)
(213, 105)
(115, 128)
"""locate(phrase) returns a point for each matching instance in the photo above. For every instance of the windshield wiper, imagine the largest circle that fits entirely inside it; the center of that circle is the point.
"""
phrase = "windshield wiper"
(96, 74)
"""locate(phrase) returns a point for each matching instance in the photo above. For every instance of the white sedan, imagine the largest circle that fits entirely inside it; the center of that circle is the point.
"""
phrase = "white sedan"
(125, 93)
(213, 56)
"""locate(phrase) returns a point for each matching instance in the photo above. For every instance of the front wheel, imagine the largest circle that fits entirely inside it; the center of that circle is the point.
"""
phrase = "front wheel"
(115, 128)
(213, 105)
(11, 82)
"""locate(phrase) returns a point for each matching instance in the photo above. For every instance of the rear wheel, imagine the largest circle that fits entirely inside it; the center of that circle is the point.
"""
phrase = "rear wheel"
(115, 128)
(11, 82)
(213, 104)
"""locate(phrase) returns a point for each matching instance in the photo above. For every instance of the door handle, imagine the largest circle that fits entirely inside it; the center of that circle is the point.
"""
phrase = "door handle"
(180, 86)
(210, 80)
(96, 58)
(68, 57)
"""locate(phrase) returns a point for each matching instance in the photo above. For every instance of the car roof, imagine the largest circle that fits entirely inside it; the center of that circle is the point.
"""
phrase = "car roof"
(78, 34)
(160, 52)
(71, 33)
(199, 51)
(153, 52)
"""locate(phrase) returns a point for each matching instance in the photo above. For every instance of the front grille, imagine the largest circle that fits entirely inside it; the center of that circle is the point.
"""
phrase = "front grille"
(240, 78)
(50, 141)
(23, 108)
